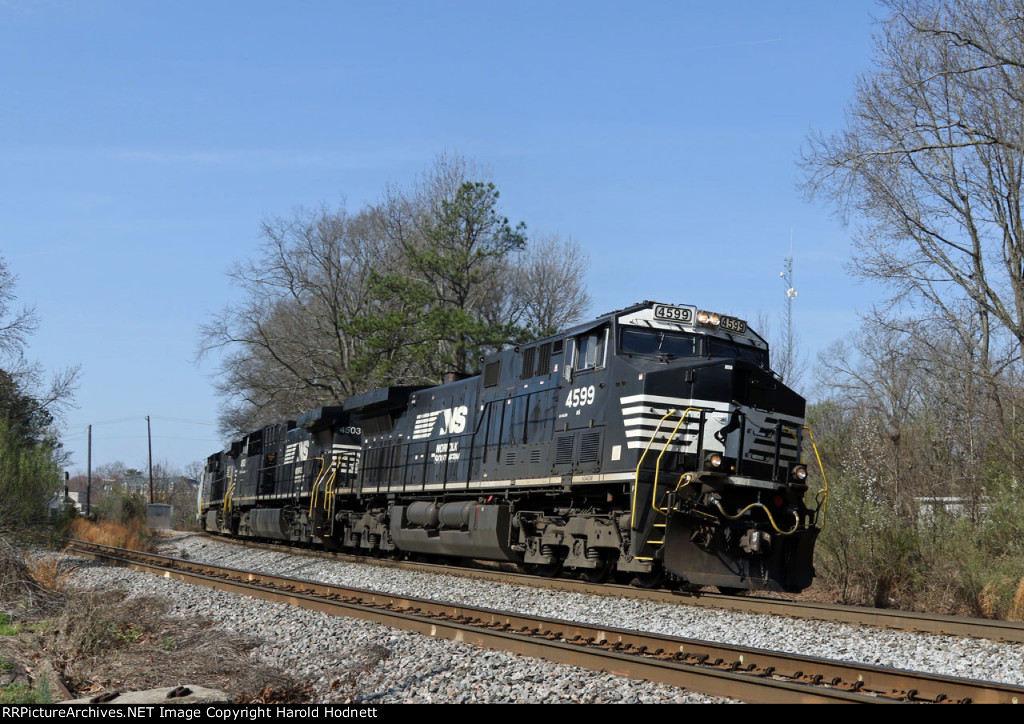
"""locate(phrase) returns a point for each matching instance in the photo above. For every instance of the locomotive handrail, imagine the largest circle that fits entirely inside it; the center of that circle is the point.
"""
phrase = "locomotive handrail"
(226, 504)
(329, 488)
(657, 464)
(636, 481)
(316, 484)
(822, 492)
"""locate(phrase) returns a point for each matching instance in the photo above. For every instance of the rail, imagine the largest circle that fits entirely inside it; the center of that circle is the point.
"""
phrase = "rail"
(757, 675)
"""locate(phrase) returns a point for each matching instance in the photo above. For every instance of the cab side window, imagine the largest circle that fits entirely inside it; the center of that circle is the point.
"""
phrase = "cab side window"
(590, 349)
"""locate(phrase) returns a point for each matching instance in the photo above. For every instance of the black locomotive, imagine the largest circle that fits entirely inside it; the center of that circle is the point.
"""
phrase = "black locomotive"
(650, 442)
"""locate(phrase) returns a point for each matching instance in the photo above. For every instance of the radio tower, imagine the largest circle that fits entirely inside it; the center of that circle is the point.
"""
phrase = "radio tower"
(788, 361)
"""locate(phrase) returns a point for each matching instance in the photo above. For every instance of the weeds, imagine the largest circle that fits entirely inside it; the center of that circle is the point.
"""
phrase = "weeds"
(131, 534)
(943, 562)
(20, 591)
(20, 694)
(7, 628)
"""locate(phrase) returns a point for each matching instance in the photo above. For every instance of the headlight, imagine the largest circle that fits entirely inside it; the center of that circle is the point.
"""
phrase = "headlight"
(713, 461)
(799, 473)
(708, 318)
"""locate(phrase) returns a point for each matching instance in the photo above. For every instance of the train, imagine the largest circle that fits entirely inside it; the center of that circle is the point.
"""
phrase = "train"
(652, 444)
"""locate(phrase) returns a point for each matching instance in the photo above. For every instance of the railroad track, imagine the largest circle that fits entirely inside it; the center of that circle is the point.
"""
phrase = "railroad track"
(981, 628)
(747, 674)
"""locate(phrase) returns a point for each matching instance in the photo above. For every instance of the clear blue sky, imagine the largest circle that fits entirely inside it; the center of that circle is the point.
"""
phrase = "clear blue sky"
(141, 143)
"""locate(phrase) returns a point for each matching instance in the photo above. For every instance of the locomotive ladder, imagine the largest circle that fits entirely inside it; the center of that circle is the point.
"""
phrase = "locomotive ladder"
(662, 512)
(686, 478)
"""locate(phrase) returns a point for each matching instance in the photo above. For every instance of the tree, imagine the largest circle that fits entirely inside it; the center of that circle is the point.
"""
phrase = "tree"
(30, 453)
(15, 325)
(399, 292)
(931, 163)
(547, 289)
(287, 347)
(453, 257)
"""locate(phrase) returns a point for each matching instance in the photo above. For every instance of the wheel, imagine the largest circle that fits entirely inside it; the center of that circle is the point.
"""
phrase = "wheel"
(729, 591)
(651, 579)
(551, 570)
(600, 574)
(331, 545)
(548, 570)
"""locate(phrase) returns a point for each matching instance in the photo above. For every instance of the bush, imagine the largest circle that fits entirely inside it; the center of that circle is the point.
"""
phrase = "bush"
(122, 507)
(866, 554)
(29, 478)
(943, 562)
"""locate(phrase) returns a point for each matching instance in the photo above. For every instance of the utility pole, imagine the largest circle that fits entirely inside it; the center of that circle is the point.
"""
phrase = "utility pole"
(88, 477)
(149, 439)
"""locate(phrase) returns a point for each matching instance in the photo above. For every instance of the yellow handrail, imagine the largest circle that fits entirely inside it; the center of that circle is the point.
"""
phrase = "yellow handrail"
(226, 503)
(657, 464)
(636, 480)
(329, 487)
(316, 485)
(822, 493)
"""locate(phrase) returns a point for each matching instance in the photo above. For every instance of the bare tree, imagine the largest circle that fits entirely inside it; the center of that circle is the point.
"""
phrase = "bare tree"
(400, 292)
(550, 285)
(30, 400)
(286, 344)
(15, 324)
(931, 163)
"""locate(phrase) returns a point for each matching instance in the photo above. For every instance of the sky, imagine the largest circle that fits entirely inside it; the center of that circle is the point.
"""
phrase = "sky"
(142, 143)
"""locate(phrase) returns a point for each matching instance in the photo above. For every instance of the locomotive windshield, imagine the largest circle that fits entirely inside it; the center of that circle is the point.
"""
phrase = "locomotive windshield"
(662, 343)
(727, 348)
(636, 340)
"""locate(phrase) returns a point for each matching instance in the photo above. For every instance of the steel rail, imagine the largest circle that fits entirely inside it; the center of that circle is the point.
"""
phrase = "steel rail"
(982, 628)
(755, 675)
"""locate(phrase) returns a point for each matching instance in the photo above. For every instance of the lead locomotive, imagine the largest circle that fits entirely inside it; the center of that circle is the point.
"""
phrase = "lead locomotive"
(653, 441)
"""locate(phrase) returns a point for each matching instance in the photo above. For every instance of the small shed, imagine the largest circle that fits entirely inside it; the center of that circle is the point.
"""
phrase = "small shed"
(158, 516)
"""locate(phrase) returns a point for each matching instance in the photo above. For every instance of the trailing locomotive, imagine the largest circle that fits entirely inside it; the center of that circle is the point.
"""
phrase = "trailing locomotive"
(653, 441)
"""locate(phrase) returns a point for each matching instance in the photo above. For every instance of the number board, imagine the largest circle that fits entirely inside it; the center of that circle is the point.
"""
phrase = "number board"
(732, 324)
(683, 315)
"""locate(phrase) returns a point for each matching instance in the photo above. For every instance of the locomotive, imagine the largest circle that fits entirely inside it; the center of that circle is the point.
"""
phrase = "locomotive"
(653, 443)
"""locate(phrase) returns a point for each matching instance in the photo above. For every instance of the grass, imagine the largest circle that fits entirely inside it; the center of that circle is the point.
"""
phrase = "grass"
(7, 629)
(19, 694)
(132, 534)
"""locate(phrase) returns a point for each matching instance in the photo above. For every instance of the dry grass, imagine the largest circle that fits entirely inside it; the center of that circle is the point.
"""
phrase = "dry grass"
(102, 642)
(99, 642)
(988, 602)
(1016, 612)
(133, 534)
(21, 594)
(50, 572)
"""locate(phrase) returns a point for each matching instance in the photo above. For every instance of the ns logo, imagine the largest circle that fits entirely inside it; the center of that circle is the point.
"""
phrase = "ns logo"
(453, 422)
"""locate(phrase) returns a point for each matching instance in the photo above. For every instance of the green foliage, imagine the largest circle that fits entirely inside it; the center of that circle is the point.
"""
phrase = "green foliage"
(431, 317)
(28, 421)
(942, 560)
(7, 628)
(62, 521)
(866, 554)
(17, 694)
(29, 478)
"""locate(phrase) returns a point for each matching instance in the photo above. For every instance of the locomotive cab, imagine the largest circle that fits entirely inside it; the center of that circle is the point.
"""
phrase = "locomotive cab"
(716, 438)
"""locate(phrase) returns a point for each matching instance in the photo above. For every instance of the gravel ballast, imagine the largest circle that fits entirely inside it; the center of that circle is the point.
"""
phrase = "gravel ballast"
(350, 659)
